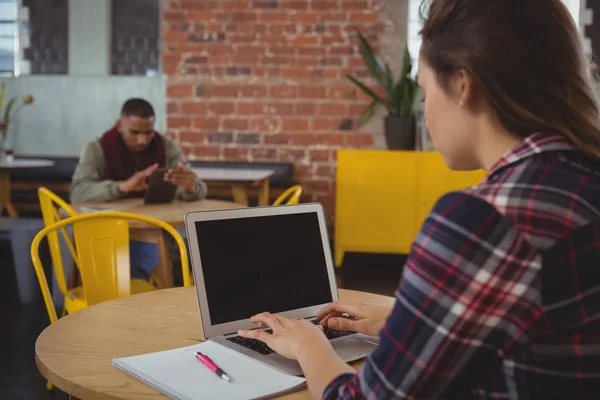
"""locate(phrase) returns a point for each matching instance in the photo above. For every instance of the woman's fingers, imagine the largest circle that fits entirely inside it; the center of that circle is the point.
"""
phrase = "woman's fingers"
(268, 319)
(338, 308)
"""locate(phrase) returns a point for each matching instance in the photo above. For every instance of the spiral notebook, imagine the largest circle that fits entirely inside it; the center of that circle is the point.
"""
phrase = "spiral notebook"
(178, 374)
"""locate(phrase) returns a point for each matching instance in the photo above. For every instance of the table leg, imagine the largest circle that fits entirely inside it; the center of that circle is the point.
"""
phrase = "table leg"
(263, 194)
(239, 195)
(164, 270)
(5, 194)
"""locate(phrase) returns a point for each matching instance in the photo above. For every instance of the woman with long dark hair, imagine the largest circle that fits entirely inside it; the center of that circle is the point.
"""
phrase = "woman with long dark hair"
(500, 295)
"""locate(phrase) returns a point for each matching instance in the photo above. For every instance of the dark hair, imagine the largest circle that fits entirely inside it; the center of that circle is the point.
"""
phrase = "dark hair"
(137, 107)
(526, 59)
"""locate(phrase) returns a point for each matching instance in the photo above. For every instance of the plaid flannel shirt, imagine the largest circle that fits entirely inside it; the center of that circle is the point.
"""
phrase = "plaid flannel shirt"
(500, 296)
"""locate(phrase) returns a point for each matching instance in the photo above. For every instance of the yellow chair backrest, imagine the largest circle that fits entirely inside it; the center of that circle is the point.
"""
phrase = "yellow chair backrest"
(292, 195)
(102, 240)
(51, 206)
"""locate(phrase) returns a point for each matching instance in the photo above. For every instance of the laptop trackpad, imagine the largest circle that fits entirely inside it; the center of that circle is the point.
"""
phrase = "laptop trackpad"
(354, 347)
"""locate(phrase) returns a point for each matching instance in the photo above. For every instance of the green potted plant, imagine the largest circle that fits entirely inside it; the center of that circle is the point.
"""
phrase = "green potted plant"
(398, 99)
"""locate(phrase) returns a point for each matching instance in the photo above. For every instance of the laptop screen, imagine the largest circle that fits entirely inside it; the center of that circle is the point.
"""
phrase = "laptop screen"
(270, 263)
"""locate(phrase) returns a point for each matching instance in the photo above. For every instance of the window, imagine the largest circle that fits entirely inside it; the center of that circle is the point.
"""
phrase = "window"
(8, 37)
(415, 24)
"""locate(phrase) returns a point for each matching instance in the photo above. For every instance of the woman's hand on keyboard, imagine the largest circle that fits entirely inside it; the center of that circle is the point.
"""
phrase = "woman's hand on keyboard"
(365, 317)
(289, 337)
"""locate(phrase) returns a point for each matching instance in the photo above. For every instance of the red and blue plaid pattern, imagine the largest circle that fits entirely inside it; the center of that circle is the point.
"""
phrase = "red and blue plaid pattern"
(500, 296)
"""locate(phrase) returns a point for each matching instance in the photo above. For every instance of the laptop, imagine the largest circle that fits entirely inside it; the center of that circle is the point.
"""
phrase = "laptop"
(275, 259)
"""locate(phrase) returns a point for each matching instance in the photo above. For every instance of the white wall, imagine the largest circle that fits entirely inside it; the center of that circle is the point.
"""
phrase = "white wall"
(71, 110)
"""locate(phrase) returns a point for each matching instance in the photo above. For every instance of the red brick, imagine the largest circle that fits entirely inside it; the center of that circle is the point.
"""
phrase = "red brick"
(324, 124)
(356, 110)
(346, 91)
(296, 73)
(275, 39)
(359, 140)
(336, 29)
(356, 62)
(242, 38)
(294, 4)
(330, 40)
(250, 109)
(305, 62)
(367, 16)
(325, 5)
(325, 171)
(273, 16)
(304, 41)
(175, 36)
(235, 124)
(306, 109)
(280, 109)
(207, 123)
(295, 124)
(333, 16)
(319, 155)
(170, 63)
(174, 16)
(283, 91)
(192, 107)
(312, 92)
(247, 59)
(342, 50)
(236, 153)
(204, 152)
(317, 185)
(266, 124)
(194, 137)
(309, 17)
(203, 16)
(276, 60)
(263, 154)
(303, 171)
(282, 50)
(180, 90)
(333, 109)
(312, 51)
(355, 4)
(224, 90)
(244, 16)
(332, 74)
(305, 139)
(291, 155)
(222, 108)
(179, 122)
(173, 135)
(172, 107)
(328, 61)
(279, 138)
(193, 4)
(253, 91)
(249, 49)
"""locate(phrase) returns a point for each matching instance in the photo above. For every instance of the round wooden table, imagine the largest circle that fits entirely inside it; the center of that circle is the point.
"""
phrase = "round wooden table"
(75, 353)
(172, 213)
(5, 168)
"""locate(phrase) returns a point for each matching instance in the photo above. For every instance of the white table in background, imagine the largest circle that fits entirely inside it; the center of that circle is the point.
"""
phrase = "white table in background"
(239, 179)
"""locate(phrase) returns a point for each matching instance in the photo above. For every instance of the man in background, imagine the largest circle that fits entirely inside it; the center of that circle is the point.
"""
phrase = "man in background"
(119, 163)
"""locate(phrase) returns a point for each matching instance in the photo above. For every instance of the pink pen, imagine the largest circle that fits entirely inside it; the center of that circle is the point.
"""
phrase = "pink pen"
(213, 367)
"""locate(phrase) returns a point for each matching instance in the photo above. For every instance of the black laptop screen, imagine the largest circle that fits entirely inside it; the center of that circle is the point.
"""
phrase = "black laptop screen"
(268, 263)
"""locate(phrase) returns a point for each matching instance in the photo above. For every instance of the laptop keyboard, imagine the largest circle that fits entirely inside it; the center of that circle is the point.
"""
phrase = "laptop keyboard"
(262, 348)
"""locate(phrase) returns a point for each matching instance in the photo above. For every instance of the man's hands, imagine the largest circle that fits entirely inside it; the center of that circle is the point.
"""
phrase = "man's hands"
(179, 176)
(183, 177)
(366, 317)
(138, 182)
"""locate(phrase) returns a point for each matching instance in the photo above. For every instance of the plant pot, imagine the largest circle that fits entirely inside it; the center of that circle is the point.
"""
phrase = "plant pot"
(400, 132)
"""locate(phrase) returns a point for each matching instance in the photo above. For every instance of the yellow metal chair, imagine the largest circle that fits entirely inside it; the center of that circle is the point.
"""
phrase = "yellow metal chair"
(292, 195)
(102, 241)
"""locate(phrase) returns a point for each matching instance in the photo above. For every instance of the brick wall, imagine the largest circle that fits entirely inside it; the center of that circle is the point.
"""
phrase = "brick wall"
(265, 80)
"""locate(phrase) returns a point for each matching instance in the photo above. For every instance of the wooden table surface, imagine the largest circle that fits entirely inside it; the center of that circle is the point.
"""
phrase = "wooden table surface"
(171, 213)
(75, 353)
